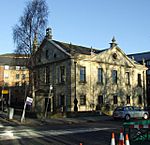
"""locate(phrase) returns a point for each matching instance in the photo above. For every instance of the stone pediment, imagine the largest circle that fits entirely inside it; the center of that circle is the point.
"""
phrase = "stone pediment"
(114, 56)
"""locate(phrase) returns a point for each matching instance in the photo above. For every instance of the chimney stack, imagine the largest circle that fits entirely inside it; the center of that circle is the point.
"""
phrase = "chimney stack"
(49, 33)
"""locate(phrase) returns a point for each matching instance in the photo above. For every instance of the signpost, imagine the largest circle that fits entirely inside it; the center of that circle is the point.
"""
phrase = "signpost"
(27, 102)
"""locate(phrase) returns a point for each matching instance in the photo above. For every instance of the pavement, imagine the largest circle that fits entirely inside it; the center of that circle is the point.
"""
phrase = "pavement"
(16, 120)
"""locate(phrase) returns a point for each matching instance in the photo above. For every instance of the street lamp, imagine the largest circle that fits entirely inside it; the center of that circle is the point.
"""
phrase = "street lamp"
(75, 97)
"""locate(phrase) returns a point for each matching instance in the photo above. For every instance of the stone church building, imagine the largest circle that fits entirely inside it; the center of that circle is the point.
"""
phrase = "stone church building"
(77, 78)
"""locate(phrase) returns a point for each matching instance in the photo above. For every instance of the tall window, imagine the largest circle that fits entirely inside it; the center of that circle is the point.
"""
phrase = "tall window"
(17, 76)
(114, 77)
(140, 99)
(127, 76)
(47, 75)
(100, 99)
(46, 54)
(82, 74)
(148, 62)
(115, 99)
(62, 74)
(100, 75)
(128, 99)
(23, 76)
(62, 100)
(139, 80)
(82, 100)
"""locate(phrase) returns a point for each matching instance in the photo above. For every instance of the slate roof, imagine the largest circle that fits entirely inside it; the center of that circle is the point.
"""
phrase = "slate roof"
(140, 56)
(70, 48)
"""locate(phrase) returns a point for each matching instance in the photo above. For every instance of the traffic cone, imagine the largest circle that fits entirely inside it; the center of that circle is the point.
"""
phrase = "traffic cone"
(127, 140)
(112, 139)
(121, 138)
(81, 144)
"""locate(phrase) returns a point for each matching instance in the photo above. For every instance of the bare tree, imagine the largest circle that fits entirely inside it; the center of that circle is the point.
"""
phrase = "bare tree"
(31, 24)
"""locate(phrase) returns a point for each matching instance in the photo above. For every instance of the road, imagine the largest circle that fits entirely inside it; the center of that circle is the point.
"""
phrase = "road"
(90, 133)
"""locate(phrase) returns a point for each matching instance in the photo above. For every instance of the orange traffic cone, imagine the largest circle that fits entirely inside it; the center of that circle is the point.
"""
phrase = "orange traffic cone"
(112, 139)
(127, 140)
(121, 138)
(81, 144)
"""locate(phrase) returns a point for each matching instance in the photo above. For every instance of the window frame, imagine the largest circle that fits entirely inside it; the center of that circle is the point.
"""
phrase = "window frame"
(114, 76)
(82, 100)
(115, 99)
(100, 75)
(82, 74)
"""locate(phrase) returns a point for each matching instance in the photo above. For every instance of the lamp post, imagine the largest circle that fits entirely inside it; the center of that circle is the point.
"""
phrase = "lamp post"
(75, 97)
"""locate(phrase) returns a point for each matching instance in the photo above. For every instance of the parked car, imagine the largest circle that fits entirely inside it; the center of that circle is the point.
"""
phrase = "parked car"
(147, 109)
(128, 112)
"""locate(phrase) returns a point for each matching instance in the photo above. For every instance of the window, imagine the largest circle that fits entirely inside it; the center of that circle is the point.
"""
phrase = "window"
(148, 63)
(23, 68)
(114, 77)
(82, 74)
(17, 84)
(115, 99)
(46, 54)
(100, 75)
(148, 72)
(23, 76)
(127, 76)
(82, 100)
(17, 67)
(6, 67)
(6, 76)
(62, 100)
(100, 99)
(17, 76)
(128, 99)
(140, 99)
(62, 74)
(139, 80)
(47, 75)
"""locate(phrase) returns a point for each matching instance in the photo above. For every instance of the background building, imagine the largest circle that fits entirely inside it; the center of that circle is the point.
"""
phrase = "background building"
(86, 79)
(14, 80)
(144, 57)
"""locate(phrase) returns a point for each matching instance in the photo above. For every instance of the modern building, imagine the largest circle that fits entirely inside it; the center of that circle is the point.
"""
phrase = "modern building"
(144, 58)
(14, 79)
(77, 78)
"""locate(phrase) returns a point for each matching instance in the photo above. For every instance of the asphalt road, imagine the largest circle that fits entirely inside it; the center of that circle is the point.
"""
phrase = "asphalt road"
(93, 133)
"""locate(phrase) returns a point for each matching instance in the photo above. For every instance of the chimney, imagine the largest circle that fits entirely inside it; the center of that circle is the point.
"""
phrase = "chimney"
(113, 43)
(49, 33)
(35, 43)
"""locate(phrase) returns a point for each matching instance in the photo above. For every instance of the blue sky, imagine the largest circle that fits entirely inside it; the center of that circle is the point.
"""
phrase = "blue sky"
(87, 22)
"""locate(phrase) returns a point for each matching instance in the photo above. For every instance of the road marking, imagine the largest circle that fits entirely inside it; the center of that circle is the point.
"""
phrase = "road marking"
(29, 133)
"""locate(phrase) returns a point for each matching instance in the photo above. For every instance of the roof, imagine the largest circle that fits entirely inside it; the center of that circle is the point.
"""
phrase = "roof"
(70, 48)
(140, 56)
(12, 59)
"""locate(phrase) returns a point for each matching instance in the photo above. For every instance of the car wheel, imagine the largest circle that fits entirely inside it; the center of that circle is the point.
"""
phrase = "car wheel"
(127, 117)
(145, 116)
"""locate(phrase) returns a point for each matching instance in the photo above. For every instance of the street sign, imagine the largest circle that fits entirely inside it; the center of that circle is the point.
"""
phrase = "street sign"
(29, 100)
(5, 92)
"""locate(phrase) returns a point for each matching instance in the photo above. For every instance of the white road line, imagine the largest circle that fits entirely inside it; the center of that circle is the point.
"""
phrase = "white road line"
(29, 133)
